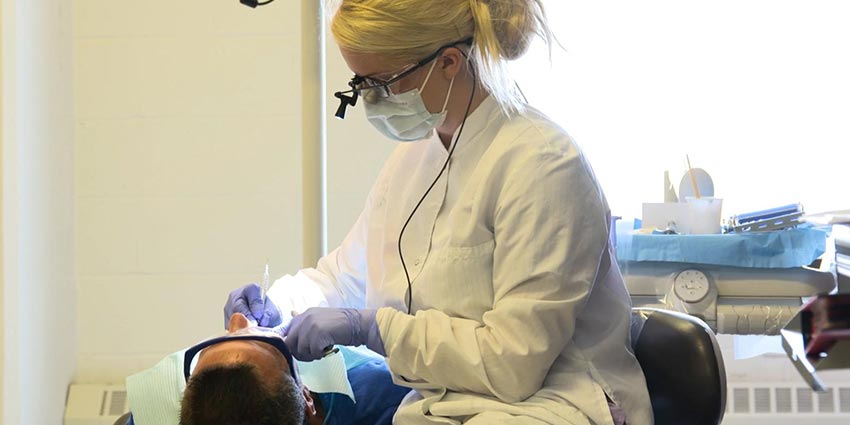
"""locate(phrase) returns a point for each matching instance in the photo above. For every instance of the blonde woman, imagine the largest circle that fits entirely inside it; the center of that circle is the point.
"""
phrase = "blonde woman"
(481, 265)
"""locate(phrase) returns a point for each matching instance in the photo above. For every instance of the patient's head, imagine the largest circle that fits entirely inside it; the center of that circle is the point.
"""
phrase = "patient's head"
(245, 382)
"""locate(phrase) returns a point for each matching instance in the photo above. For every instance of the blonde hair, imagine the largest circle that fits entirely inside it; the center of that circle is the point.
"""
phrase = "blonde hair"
(406, 31)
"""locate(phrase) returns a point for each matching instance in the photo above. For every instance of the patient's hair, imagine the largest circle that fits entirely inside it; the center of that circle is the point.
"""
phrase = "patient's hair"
(235, 395)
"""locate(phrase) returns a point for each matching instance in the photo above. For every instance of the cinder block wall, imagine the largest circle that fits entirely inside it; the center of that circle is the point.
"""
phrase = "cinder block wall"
(188, 169)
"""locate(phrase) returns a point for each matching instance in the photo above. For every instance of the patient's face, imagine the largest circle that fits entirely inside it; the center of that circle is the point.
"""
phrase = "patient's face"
(266, 358)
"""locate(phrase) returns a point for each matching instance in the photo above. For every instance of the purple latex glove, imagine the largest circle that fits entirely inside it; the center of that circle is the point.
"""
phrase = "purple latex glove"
(247, 300)
(313, 332)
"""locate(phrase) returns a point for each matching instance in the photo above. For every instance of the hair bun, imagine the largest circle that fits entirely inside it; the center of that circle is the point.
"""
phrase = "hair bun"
(514, 23)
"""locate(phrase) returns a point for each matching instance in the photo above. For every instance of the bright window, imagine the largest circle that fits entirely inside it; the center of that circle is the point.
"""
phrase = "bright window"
(756, 92)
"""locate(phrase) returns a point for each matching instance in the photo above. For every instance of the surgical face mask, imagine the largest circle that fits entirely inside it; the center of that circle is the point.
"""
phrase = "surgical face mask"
(404, 117)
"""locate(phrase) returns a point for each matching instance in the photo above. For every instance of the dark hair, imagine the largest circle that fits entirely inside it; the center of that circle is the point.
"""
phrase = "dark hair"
(235, 395)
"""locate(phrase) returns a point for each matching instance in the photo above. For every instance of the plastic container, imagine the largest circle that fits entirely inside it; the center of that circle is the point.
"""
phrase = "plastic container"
(704, 216)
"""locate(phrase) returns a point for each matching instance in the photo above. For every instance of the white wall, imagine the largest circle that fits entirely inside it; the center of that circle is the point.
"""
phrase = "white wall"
(188, 169)
(355, 153)
(39, 292)
(754, 91)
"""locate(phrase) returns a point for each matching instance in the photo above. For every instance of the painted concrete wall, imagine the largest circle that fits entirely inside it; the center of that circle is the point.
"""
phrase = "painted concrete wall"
(188, 169)
(355, 153)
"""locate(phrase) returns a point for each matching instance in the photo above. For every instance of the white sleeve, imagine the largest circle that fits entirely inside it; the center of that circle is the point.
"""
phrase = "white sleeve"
(550, 230)
(338, 280)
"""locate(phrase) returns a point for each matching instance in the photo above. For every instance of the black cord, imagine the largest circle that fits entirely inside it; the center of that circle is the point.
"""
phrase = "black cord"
(445, 165)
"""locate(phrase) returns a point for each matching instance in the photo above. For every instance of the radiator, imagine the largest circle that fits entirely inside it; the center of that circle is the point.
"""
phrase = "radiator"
(782, 403)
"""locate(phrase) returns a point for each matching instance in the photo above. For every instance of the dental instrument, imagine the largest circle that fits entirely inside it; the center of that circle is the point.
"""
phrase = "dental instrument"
(265, 281)
(693, 177)
(777, 218)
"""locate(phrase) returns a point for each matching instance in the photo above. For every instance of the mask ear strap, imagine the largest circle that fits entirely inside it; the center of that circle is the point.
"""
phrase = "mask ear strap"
(449, 94)
(428, 77)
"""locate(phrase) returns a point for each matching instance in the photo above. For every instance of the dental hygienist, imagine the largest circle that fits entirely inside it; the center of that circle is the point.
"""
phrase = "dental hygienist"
(481, 265)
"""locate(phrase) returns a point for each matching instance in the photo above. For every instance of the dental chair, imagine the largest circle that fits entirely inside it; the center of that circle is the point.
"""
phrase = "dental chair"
(683, 366)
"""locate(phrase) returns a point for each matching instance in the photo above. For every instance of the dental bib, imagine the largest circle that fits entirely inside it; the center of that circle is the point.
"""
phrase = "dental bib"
(155, 393)
(327, 375)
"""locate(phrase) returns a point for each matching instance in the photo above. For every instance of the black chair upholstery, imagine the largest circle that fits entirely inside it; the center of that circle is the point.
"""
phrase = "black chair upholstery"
(683, 366)
(123, 419)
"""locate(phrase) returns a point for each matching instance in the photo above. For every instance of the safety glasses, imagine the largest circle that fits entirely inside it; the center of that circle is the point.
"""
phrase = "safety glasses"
(265, 335)
(373, 90)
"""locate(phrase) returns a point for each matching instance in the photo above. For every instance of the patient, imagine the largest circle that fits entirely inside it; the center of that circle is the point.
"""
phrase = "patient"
(249, 378)
(247, 381)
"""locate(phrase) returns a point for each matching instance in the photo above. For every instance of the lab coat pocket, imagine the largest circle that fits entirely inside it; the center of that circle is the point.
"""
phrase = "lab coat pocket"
(458, 281)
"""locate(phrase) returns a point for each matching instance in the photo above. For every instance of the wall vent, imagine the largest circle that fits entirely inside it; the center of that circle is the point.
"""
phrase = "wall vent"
(95, 404)
(826, 401)
(804, 400)
(762, 400)
(118, 403)
(844, 400)
(783, 401)
(741, 400)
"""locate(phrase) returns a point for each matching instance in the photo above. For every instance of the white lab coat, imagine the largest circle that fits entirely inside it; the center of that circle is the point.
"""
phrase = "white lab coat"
(519, 308)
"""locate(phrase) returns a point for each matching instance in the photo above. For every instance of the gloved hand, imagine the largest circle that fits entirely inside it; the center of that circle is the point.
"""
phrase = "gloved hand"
(247, 300)
(314, 331)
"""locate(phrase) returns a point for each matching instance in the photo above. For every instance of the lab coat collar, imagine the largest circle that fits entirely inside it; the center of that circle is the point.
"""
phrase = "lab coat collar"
(479, 119)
